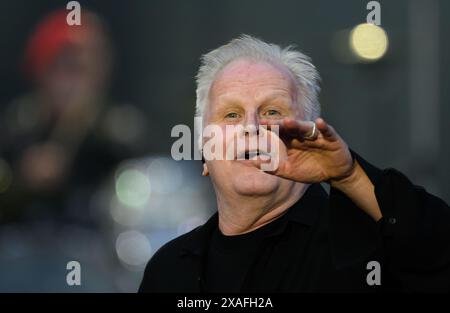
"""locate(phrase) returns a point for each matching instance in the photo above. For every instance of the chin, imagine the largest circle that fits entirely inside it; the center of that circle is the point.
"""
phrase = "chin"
(254, 182)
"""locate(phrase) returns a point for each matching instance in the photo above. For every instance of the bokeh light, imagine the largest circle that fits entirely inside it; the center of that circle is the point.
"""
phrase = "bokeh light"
(166, 175)
(133, 188)
(133, 249)
(368, 42)
(126, 215)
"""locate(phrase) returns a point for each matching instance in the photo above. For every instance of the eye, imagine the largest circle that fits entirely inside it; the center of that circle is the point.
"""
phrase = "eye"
(272, 113)
(232, 115)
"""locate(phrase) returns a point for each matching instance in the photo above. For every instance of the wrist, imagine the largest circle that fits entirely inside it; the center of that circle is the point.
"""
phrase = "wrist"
(348, 181)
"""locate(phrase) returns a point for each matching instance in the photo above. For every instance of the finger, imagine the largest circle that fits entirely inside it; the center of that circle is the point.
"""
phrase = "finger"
(291, 127)
(326, 130)
(270, 123)
(282, 129)
(301, 128)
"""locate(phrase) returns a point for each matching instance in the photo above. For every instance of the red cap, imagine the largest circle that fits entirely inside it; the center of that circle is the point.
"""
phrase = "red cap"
(51, 35)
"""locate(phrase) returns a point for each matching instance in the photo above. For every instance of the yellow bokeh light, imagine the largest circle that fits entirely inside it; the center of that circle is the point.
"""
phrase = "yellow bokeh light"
(369, 42)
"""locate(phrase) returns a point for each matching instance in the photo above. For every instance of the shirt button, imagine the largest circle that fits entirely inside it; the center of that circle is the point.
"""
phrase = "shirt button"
(392, 220)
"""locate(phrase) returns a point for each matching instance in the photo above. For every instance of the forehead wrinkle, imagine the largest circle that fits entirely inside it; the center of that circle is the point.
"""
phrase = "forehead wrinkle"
(269, 79)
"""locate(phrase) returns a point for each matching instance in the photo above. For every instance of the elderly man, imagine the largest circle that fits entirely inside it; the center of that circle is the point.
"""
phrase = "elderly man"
(280, 230)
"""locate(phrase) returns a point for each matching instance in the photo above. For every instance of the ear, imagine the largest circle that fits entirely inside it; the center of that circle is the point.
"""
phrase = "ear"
(205, 170)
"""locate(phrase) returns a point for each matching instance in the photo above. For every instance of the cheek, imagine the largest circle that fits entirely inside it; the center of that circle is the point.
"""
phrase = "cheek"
(213, 142)
(219, 168)
(220, 172)
(300, 113)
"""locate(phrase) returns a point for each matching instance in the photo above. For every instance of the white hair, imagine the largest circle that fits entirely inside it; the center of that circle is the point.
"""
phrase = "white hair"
(305, 74)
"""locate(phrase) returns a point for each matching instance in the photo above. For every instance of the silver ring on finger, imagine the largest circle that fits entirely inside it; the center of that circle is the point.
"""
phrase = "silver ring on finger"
(314, 133)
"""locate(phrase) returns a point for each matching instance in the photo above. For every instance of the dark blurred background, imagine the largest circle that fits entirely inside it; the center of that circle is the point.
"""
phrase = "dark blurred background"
(93, 180)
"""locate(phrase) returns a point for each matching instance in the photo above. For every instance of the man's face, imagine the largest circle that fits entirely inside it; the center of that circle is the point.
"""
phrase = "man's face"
(244, 93)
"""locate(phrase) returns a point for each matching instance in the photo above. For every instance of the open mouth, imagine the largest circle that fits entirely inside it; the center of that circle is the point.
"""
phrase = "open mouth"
(253, 155)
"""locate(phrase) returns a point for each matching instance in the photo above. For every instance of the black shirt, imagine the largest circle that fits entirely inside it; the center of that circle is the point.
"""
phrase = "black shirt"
(231, 258)
(323, 243)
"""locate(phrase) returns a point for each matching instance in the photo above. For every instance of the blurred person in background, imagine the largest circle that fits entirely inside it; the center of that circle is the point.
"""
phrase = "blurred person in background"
(63, 139)
(65, 132)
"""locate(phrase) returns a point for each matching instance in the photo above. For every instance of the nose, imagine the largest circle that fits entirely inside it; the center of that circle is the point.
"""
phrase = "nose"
(251, 125)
